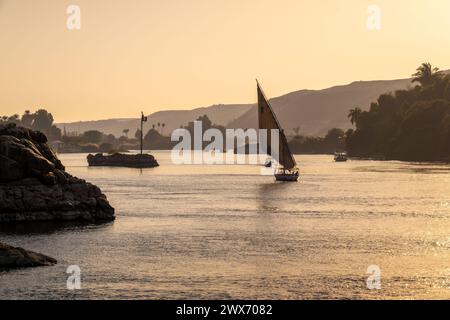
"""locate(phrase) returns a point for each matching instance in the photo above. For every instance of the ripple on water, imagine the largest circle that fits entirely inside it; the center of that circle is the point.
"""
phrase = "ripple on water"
(226, 232)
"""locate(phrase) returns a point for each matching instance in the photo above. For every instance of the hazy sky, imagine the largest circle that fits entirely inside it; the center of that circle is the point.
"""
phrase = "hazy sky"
(133, 55)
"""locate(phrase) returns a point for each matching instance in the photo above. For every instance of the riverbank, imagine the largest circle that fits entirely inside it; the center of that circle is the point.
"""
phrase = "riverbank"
(15, 258)
(384, 158)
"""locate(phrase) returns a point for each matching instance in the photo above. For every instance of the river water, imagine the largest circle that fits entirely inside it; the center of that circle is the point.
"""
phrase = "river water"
(226, 231)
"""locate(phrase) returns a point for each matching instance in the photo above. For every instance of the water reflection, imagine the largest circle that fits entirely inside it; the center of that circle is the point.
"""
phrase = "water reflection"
(396, 167)
(37, 228)
(271, 196)
(211, 232)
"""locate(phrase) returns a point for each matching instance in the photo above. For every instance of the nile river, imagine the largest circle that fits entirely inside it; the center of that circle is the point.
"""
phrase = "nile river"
(227, 232)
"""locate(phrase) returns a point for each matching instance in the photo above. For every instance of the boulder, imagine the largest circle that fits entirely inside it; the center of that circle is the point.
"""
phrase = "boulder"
(11, 129)
(122, 160)
(13, 258)
(10, 170)
(34, 185)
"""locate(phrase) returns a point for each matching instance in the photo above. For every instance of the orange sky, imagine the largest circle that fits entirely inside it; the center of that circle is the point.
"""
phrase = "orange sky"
(179, 54)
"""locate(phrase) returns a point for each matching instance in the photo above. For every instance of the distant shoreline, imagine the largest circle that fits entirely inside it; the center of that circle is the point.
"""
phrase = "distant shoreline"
(384, 159)
(374, 158)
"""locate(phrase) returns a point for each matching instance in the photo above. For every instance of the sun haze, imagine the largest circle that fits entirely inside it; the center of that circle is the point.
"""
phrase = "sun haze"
(153, 55)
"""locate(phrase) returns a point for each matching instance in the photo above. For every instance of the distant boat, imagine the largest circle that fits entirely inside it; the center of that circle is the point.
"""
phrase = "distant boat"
(268, 163)
(340, 157)
(287, 167)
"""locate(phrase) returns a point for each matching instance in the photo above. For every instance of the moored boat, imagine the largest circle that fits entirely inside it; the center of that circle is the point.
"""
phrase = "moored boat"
(122, 160)
(340, 157)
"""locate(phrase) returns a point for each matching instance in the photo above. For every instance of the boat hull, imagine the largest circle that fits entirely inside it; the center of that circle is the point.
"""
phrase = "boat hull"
(340, 157)
(287, 177)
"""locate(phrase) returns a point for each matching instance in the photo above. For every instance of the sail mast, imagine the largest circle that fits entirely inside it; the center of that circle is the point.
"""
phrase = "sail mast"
(268, 120)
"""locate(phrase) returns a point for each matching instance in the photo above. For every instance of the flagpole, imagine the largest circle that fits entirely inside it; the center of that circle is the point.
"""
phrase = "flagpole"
(142, 130)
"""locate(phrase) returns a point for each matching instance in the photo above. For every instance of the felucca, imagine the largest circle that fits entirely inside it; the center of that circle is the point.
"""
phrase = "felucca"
(286, 169)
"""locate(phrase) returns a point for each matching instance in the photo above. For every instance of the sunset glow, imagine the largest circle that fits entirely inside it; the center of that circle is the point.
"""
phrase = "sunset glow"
(154, 55)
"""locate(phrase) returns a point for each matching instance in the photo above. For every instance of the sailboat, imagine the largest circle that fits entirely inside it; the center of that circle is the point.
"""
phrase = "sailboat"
(287, 167)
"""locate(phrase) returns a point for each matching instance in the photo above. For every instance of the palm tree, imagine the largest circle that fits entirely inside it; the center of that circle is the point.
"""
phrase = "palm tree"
(27, 119)
(125, 131)
(14, 119)
(162, 125)
(159, 126)
(137, 134)
(426, 74)
(354, 115)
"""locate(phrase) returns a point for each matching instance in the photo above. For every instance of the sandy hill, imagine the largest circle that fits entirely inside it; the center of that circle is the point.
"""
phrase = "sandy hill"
(314, 111)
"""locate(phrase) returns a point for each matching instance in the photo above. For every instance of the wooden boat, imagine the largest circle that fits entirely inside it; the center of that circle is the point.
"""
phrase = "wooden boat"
(287, 167)
(286, 175)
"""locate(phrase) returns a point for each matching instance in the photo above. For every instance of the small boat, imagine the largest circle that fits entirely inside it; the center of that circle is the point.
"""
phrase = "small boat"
(286, 169)
(286, 175)
(340, 157)
(268, 163)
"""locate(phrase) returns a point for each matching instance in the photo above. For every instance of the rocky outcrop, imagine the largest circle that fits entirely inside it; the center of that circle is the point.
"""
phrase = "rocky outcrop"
(122, 160)
(12, 258)
(35, 187)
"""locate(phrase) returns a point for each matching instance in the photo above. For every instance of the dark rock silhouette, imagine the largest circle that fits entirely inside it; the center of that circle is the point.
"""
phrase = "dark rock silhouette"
(122, 160)
(12, 258)
(35, 187)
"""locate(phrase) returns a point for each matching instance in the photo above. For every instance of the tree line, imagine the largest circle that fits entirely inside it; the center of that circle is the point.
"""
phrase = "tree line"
(41, 120)
(154, 138)
(411, 124)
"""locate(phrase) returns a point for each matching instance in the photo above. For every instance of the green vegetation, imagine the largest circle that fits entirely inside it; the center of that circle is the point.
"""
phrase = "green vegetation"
(89, 141)
(41, 120)
(154, 140)
(334, 141)
(206, 125)
(412, 124)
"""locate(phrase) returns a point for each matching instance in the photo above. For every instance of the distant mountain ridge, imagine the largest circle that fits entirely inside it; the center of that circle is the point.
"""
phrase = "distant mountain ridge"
(173, 119)
(316, 111)
(313, 111)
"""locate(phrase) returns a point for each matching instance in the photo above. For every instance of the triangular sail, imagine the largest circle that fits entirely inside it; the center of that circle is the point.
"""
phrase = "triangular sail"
(268, 120)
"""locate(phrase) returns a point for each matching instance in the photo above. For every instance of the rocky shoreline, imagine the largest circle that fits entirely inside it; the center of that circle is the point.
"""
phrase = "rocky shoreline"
(29, 200)
(34, 187)
(13, 258)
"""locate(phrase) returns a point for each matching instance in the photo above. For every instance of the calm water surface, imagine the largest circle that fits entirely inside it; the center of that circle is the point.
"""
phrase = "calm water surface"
(199, 232)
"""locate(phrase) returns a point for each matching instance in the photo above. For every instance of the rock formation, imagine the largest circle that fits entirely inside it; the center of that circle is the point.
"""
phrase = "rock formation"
(122, 160)
(35, 187)
(12, 258)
